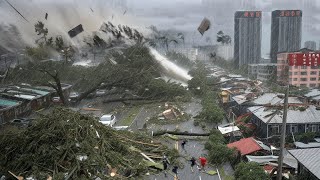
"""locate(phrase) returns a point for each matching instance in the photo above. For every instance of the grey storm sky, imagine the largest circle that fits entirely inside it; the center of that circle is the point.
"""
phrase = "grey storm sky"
(186, 15)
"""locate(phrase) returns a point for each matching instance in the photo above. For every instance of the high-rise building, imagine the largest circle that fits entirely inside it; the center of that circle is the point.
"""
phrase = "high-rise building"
(285, 32)
(247, 37)
(312, 45)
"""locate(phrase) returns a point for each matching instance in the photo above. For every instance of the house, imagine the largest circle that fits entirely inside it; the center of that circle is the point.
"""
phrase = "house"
(8, 109)
(249, 145)
(308, 162)
(300, 119)
(313, 97)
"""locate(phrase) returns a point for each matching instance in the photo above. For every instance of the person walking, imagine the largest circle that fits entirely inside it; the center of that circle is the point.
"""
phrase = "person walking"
(203, 162)
(165, 162)
(184, 142)
(175, 171)
(193, 162)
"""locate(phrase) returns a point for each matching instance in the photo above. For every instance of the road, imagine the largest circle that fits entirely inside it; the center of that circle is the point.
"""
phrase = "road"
(194, 147)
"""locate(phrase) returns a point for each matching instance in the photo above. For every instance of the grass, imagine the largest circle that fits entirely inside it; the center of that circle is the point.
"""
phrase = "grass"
(130, 117)
(223, 174)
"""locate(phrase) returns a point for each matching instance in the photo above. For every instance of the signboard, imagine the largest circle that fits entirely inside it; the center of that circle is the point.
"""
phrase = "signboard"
(304, 59)
(287, 13)
(248, 14)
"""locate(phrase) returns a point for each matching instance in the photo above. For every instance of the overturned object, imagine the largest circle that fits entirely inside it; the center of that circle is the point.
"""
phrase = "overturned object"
(75, 31)
(204, 26)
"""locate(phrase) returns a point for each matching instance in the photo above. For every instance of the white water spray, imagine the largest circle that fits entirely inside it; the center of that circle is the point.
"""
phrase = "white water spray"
(170, 68)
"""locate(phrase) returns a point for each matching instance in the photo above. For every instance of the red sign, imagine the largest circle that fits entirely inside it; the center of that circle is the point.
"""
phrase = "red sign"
(290, 13)
(252, 14)
(304, 59)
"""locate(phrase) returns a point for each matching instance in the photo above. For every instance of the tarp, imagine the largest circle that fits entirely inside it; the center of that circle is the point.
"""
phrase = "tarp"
(75, 31)
(204, 26)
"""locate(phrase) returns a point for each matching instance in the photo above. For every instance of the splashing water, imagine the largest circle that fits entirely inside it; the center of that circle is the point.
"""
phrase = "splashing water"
(170, 68)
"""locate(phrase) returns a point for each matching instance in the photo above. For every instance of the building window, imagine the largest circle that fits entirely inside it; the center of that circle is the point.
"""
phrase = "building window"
(294, 129)
(314, 67)
(303, 67)
(296, 67)
(303, 85)
(313, 85)
(313, 73)
(275, 129)
(303, 73)
(295, 73)
(295, 79)
(313, 128)
(313, 79)
(303, 79)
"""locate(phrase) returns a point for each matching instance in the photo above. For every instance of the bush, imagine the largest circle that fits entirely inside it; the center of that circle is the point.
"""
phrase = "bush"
(250, 171)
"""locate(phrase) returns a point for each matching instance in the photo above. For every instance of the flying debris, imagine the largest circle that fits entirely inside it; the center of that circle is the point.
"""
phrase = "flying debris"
(16, 10)
(125, 12)
(212, 55)
(75, 31)
(91, 9)
(46, 17)
(204, 26)
(112, 16)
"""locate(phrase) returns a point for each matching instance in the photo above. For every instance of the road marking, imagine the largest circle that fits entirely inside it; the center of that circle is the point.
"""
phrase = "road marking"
(218, 174)
(199, 177)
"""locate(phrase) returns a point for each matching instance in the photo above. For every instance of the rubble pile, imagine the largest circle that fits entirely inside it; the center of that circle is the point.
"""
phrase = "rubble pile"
(69, 145)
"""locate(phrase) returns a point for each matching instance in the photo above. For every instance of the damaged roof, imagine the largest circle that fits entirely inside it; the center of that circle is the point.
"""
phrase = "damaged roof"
(295, 116)
(309, 158)
(248, 146)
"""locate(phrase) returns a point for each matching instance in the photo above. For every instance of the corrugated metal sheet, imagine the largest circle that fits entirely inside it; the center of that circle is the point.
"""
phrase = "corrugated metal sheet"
(8, 103)
(309, 158)
(204, 26)
(272, 98)
(246, 146)
(310, 115)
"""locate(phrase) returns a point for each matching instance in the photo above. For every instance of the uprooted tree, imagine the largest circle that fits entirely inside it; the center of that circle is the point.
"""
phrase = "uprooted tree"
(69, 145)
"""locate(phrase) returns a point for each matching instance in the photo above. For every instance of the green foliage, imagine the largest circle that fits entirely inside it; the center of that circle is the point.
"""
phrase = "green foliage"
(306, 137)
(250, 171)
(38, 53)
(211, 112)
(180, 59)
(222, 38)
(218, 151)
(198, 84)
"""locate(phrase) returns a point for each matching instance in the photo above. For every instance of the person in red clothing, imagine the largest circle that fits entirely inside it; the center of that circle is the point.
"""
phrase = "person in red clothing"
(203, 162)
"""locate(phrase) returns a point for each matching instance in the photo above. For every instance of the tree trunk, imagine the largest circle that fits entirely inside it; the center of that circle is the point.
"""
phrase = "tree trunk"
(180, 133)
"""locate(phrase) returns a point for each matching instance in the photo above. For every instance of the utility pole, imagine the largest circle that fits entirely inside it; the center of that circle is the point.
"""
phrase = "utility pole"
(283, 129)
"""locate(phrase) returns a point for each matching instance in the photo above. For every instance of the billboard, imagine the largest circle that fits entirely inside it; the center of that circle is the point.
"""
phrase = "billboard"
(75, 31)
(304, 59)
(287, 13)
(248, 14)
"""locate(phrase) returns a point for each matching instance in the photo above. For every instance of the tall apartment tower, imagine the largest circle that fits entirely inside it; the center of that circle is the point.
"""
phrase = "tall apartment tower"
(286, 29)
(312, 45)
(247, 37)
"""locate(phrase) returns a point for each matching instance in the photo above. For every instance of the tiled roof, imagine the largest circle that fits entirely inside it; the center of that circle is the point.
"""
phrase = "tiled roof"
(309, 158)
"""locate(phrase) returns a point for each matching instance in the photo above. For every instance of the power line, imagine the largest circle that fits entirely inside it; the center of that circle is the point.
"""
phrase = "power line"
(17, 11)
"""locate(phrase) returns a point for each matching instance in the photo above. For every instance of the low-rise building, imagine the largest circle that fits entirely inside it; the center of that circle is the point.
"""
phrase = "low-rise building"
(8, 109)
(300, 119)
(262, 72)
(308, 162)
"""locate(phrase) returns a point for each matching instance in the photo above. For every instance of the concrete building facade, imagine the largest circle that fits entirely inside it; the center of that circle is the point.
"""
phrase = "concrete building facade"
(310, 45)
(247, 37)
(301, 76)
(225, 51)
(262, 72)
(286, 30)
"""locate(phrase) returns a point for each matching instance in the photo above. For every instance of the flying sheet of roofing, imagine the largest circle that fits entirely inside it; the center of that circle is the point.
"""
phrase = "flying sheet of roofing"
(309, 158)
(227, 128)
(266, 98)
(295, 116)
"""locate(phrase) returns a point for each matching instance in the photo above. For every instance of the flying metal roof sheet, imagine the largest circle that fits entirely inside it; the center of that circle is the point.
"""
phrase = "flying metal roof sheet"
(309, 158)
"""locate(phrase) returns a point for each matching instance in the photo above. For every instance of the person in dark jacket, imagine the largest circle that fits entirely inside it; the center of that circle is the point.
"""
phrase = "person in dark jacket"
(175, 171)
(193, 162)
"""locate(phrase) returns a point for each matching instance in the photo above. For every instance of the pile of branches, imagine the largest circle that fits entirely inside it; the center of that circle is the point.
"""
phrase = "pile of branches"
(68, 145)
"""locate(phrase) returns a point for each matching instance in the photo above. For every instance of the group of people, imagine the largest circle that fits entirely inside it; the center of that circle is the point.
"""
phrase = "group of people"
(200, 166)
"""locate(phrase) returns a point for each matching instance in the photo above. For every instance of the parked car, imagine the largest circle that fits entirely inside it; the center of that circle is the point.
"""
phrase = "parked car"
(56, 100)
(120, 128)
(74, 95)
(22, 122)
(108, 119)
(100, 92)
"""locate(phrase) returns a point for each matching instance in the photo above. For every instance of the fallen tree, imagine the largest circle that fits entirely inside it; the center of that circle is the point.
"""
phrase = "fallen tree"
(69, 145)
(160, 133)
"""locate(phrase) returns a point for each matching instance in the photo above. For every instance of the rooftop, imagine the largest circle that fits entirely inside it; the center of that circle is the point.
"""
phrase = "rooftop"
(7, 103)
(295, 116)
(248, 146)
(309, 158)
